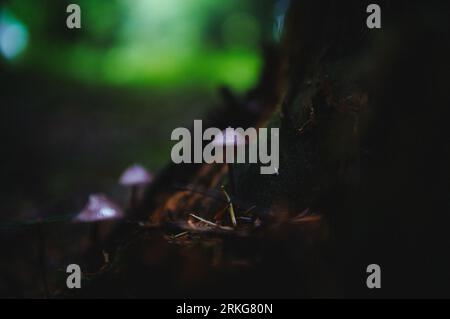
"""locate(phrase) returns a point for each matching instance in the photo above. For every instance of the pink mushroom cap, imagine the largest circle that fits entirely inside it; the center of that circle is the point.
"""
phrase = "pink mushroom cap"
(229, 138)
(98, 208)
(135, 175)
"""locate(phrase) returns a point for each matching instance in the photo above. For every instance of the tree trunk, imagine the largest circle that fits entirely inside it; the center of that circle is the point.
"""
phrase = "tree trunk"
(363, 117)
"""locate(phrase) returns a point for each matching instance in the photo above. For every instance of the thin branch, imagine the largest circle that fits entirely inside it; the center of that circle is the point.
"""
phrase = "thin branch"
(232, 214)
(209, 222)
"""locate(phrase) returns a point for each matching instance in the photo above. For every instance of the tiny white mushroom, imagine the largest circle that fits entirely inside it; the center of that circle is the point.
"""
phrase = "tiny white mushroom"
(135, 177)
(230, 138)
(99, 208)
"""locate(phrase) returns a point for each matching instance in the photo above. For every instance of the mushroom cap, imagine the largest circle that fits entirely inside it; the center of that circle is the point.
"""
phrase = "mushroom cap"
(135, 175)
(229, 137)
(98, 208)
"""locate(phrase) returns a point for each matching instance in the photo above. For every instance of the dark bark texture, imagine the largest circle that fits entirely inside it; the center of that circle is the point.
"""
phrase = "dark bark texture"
(364, 144)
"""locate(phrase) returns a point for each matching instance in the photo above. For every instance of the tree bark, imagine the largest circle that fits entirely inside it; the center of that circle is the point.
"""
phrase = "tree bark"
(363, 116)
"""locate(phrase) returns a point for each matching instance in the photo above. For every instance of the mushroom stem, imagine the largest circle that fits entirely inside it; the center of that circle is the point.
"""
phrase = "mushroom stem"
(133, 197)
(94, 230)
(93, 259)
(41, 258)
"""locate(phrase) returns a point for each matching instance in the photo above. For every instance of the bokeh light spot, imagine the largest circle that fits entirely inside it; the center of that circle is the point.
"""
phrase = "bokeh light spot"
(13, 36)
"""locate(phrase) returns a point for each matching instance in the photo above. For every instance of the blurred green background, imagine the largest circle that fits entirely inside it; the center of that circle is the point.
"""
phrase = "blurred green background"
(80, 105)
(163, 43)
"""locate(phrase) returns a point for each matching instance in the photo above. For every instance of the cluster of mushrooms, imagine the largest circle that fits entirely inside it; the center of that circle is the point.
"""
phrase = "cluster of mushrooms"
(100, 208)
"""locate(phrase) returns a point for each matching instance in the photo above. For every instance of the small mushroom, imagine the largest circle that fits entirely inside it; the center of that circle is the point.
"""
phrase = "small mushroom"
(99, 208)
(230, 138)
(135, 177)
